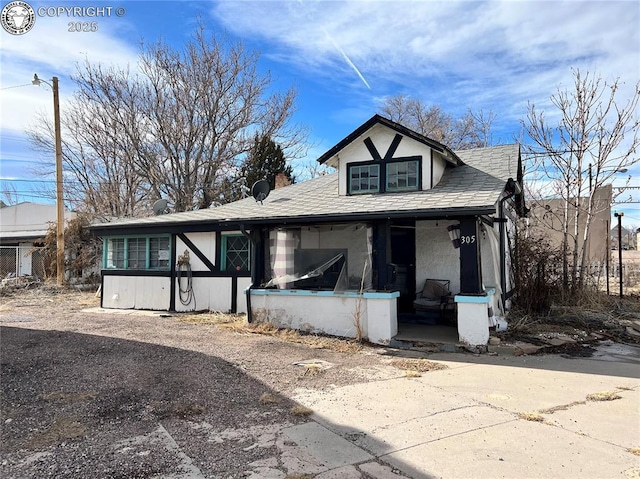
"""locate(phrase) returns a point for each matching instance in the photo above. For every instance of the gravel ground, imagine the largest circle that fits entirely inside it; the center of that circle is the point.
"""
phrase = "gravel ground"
(95, 394)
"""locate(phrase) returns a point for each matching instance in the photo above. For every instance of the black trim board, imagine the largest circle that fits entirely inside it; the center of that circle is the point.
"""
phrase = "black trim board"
(394, 126)
(207, 262)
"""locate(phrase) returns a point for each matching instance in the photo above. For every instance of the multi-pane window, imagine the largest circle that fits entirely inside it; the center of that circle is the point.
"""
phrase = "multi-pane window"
(364, 179)
(402, 176)
(235, 253)
(114, 253)
(143, 252)
(137, 253)
(159, 252)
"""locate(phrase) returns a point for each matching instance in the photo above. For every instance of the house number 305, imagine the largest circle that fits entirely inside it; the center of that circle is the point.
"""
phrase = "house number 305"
(468, 239)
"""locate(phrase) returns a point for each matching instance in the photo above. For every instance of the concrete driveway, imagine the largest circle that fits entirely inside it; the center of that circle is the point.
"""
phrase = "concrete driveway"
(490, 417)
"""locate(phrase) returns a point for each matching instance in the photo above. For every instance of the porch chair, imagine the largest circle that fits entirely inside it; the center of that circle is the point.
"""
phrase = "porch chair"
(434, 297)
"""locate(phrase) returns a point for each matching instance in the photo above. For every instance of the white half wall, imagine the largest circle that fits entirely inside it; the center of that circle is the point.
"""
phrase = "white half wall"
(136, 292)
(329, 313)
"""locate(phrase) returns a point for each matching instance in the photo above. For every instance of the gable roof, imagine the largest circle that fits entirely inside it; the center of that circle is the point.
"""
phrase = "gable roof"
(448, 154)
(463, 190)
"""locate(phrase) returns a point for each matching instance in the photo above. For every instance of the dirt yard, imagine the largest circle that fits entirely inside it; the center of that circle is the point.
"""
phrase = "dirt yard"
(86, 393)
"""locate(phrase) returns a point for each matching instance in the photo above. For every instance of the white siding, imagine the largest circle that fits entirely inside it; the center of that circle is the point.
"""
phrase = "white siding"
(136, 292)
(205, 242)
(213, 294)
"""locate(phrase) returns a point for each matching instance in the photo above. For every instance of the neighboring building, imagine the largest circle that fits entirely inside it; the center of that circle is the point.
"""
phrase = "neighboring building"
(342, 254)
(22, 230)
(546, 216)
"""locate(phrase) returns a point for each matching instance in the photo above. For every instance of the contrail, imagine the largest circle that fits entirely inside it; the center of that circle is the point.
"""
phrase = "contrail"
(346, 58)
(339, 48)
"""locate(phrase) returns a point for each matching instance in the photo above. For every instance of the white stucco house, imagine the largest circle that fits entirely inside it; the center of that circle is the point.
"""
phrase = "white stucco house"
(22, 229)
(342, 254)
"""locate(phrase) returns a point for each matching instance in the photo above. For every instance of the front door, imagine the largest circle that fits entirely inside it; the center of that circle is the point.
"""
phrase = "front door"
(403, 257)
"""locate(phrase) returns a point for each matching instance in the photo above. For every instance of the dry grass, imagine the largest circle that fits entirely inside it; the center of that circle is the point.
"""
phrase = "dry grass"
(300, 410)
(313, 370)
(603, 396)
(298, 475)
(412, 374)
(634, 450)
(419, 365)
(531, 416)
(624, 388)
(241, 326)
(562, 407)
(268, 398)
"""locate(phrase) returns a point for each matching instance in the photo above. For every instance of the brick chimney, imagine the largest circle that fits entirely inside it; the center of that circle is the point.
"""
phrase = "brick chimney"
(282, 180)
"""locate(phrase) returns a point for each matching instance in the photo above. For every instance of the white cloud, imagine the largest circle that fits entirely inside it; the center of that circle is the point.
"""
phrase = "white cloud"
(495, 55)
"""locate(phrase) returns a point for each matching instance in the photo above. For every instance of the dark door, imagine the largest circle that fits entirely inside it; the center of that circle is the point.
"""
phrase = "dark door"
(403, 259)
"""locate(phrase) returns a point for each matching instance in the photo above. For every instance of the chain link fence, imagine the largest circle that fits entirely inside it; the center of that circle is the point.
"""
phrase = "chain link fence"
(18, 261)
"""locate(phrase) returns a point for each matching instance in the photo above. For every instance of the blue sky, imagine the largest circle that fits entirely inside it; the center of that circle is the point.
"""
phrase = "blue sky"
(343, 57)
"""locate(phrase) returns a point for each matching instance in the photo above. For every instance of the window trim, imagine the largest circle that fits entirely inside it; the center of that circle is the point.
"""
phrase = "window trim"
(223, 253)
(382, 178)
(147, 256)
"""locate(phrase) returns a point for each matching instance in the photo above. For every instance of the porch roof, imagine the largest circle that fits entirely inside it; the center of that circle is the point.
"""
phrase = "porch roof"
(469, 189)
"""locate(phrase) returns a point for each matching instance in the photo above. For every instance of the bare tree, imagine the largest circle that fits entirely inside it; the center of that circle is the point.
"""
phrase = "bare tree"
(472, 130)
(593, 138)
(178, 128)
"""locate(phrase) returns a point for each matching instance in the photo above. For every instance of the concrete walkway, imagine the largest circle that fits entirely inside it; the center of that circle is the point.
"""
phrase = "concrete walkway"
(489, 417)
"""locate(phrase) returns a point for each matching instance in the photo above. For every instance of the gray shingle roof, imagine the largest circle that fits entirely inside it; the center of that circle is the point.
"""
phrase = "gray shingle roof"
(471, 187)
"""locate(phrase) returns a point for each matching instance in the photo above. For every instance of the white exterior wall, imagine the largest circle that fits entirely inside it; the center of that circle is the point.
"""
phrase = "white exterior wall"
(212, 294)
(205, 242)
(332, 314)
(436, 258)
(439, 165)
(30, 216)
(136, 292)
(381, 136)
(241, 298)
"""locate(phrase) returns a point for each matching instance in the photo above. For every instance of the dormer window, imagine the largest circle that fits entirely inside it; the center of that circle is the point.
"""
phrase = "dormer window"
(364, 179)
(402, 175)
(384, 176)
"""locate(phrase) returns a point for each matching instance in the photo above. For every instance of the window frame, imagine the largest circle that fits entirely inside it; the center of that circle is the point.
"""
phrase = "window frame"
(364, 164)
(224, 238)
(383, 174)
(147, 253)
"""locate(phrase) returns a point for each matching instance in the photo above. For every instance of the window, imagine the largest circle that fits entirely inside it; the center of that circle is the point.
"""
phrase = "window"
(364, 179)
(114, 253)
(143, 252)
(235, 253)
(384, 176)
(402, 176)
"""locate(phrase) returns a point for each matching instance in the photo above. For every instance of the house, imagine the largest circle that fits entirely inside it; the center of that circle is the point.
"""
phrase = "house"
(341, 254)
(545, 220)
(22, 229)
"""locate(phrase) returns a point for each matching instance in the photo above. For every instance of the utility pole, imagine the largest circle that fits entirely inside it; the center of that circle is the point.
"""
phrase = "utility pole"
(59, 184)
(606, 258)
(619, 216)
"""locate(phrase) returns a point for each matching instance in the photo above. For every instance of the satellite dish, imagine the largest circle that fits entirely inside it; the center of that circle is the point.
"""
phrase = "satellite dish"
(260, 190)
(160, 207)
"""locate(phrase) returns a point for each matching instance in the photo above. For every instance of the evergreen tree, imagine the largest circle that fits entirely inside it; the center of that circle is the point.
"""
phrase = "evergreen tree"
(265, 160)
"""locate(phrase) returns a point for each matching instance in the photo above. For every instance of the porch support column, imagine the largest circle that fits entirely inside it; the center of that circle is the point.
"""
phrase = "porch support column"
(380, 254)
(472, 302)
(470, 269)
